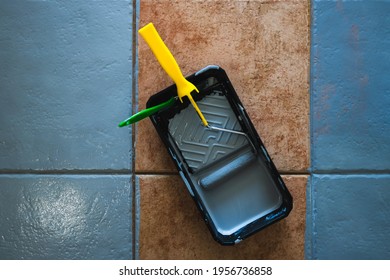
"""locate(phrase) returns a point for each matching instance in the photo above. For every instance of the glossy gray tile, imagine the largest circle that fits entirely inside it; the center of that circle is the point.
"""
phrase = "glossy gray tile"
(65, 217)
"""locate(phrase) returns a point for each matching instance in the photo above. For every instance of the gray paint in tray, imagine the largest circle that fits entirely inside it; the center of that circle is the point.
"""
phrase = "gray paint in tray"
(231, 180)
(230, 176)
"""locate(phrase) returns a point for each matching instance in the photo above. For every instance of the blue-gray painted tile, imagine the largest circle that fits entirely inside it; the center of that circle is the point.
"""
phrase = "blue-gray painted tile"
(350, 85)
(65, 84)
(351, 217)
(65, 217)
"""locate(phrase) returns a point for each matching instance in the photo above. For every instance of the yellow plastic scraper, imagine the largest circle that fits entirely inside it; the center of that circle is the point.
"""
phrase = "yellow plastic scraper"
(169, 64)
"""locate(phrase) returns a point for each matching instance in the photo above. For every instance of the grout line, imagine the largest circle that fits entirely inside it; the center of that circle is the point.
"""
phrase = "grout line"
(309, 244)
(134, 99)
(69, 176)
(351, 172)
(136, 231)
(285, 172)
(166, 173)
(66, 172)
(156, 173)
(292, 173)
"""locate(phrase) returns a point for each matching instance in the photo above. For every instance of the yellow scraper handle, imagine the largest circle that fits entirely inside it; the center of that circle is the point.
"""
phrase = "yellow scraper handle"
(169, 64)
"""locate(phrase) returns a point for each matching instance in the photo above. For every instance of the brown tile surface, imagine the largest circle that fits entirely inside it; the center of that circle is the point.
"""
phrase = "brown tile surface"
(264, 48)
(171, 226)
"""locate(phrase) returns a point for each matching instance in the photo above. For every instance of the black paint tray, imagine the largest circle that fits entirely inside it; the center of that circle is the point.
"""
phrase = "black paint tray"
(230, 176)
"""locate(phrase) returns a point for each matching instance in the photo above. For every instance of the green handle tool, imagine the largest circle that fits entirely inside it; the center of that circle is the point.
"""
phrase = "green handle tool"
(147, 112)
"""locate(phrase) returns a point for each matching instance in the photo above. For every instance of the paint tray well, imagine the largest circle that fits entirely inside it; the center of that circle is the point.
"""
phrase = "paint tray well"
(230, 176)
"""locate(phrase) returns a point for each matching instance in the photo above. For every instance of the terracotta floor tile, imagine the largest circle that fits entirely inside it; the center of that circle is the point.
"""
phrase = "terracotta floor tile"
(264, 48)
(171, 226)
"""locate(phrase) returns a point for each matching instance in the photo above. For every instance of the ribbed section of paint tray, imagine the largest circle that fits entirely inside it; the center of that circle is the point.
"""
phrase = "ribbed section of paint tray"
(199, 145)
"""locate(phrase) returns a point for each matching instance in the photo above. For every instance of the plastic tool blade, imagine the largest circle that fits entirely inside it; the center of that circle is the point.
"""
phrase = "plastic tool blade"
(169, 64)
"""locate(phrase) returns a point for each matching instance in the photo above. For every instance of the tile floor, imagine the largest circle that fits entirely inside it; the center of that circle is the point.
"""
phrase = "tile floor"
(68, 187)
(171, 226)
(65, 167)
(350, 131)
(264, 48)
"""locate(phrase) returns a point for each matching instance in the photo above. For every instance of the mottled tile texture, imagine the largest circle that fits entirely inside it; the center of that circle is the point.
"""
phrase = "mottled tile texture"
(171, 226)
(65, 85)
(351, 220)
(65, 217)
(350, 125)
(350, 101)
(264, 48)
